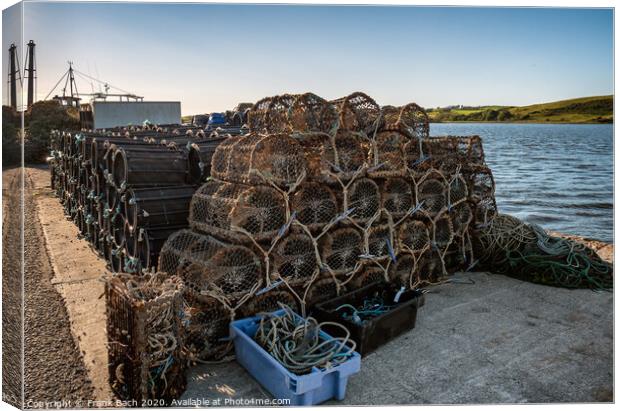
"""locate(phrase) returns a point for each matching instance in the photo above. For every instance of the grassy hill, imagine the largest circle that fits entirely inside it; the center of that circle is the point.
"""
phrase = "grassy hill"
(598, 109)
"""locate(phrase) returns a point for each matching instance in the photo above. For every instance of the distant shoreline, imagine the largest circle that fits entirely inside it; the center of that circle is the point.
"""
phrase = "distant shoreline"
(584, 110)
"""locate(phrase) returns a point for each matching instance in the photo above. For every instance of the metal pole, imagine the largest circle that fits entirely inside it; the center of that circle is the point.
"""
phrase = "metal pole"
(31, 73)
(12, 77)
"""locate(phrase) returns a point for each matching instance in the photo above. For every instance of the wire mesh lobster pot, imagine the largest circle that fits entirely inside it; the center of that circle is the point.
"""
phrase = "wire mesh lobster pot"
(359, 112)
(257, 115)
(363, 199)
(234, 271)
(294, 260)
(181, 243)
(277, 115)
(458, 191)
(321, 290)
(401, 270)
(268, 302)
(410, 119)
(485, 211)
(443, 232)
(310, 112)
(431, 193)
(340, 249)
(449, 152)
(260, 159)
(461, 216)
(217, 207)
(380, 240)
(367, 276)
(413, 236)
(418, 154)
(149, 242)
(388, 158)
(397, 197)
(481, 183)
(199, 158)
(430, 268)
(205, 323)
(315, 205)
(145, 337)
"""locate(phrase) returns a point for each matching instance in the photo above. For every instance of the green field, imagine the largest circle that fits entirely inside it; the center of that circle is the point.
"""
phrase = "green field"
(598, 109)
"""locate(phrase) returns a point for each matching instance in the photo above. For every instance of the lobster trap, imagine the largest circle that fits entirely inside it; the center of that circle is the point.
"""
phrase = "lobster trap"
(145, 337)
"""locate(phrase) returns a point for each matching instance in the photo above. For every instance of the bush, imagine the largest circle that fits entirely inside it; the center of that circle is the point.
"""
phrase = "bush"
(41, 119)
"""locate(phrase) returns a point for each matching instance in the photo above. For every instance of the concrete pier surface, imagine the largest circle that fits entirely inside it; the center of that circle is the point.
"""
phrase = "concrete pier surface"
(498, 340)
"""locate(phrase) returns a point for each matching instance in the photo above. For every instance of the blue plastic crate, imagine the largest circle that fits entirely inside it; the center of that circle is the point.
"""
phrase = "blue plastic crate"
(308, 389)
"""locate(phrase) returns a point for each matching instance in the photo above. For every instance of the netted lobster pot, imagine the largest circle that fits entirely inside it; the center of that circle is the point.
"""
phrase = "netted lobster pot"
(380, 242)
(412, 120)
(340, 250)
(366, 277)
(418, 155)
(217, 207)
(431, 193)
(221, 156)
(400, 272)
(211, 206)
(457, 189)
(261, 159)
(295, 260)
(485, 211)
(452, 151)
(233, 272)
(461, 216)
(314, 204)
(260, 211)
(359, 112)
(347, 153)
(363, 199)
(310, 112)
(145, 337)
(268, 302)
(277, 115)
(206, 321)
(397, 197)
(430, 268)
(199, 158)
(413, 236)
(257, 115)
(321, 290)
(481, 183)
(388, 155)
(174, 249)
(443, 232)
(149, 243)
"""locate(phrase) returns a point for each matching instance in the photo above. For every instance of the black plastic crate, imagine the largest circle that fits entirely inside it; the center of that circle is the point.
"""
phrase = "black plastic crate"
(375, 331)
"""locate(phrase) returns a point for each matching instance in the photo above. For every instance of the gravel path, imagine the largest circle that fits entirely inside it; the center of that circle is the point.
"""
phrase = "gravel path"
(11, 290)
(54, 369)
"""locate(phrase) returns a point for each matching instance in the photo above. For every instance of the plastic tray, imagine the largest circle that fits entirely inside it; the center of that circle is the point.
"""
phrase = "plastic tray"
(376, 331)
(308, 389)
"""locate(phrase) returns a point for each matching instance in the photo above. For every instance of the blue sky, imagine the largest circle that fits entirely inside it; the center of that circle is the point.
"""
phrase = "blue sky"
(210, 57)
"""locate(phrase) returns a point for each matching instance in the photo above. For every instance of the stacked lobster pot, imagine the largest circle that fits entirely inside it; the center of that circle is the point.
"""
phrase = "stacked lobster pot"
(128, 189)
(322, 197)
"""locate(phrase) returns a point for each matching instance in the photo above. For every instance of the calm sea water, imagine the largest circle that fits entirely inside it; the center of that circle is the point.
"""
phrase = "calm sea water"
(559, 176)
